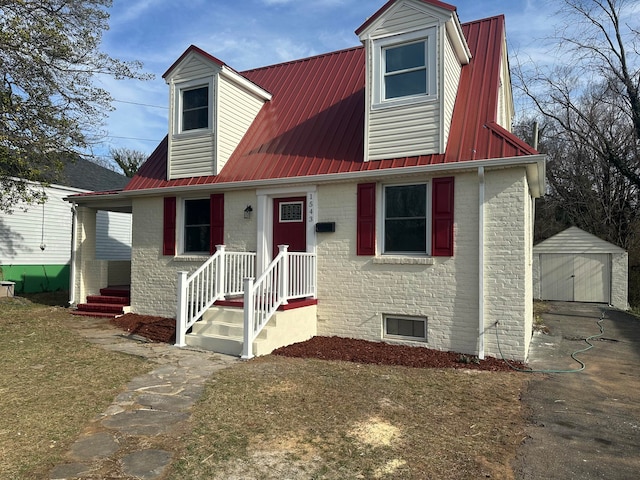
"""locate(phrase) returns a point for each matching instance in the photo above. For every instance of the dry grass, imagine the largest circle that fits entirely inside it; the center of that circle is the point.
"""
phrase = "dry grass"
(276, 417)
(51, 384)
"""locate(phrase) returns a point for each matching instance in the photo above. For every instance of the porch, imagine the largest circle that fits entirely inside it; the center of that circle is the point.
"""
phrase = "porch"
(223, 307)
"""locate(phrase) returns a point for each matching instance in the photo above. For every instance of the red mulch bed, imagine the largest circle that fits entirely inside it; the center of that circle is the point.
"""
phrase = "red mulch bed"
(160, 329)
(155, 329)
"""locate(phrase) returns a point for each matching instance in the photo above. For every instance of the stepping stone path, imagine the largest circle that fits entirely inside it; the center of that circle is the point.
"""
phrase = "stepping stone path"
(123, 442)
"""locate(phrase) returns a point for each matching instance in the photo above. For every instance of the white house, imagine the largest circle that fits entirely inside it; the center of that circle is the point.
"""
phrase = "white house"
(35, 251)
(388, 169)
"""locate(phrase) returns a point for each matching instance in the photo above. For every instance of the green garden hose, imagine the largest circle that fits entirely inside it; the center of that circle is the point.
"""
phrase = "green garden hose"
(573, 355)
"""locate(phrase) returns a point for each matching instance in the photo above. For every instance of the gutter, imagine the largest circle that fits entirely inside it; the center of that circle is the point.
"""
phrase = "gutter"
(534, 164)
(481, 263)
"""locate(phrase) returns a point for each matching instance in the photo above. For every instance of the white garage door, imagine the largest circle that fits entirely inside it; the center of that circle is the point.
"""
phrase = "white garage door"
(575, 277)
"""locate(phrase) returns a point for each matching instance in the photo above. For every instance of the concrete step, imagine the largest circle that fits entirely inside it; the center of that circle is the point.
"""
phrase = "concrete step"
(225, 345)
(221, 330)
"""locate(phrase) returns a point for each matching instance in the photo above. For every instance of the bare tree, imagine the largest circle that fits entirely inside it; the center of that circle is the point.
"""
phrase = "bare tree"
(128, 160)
(592, 92)
(49, 105)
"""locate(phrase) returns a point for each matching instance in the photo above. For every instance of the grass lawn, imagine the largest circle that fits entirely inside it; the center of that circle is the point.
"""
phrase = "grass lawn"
(276, 417)
(268, 418)
(52, 383)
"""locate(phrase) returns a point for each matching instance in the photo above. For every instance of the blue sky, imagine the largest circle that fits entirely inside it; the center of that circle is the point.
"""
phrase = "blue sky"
(252, 33)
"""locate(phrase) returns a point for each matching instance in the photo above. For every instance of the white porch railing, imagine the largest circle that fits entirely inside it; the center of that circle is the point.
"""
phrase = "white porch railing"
(290, 275)
(222, 274)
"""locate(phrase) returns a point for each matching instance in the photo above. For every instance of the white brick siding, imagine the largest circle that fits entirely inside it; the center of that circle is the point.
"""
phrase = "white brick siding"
(354, 292)
(154, 276)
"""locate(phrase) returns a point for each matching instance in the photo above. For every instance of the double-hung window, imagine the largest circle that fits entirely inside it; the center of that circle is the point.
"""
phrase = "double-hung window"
(195, 108)
(405, 72)
(405, 68)
(405, 219)
(197, 225)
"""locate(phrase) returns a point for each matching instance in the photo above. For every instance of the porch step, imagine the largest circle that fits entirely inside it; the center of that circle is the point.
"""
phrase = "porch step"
(111, 302)
(221, 329)
(107, 299)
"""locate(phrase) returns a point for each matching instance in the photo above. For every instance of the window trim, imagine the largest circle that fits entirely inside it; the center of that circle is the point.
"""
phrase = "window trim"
(380, 46)
(182, 225)
(390, 336)
(179, 89)
(281, 204)
(382, 195)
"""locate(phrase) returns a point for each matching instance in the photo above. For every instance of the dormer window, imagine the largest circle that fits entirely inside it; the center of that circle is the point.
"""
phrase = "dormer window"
(405, 68)
(195, 108)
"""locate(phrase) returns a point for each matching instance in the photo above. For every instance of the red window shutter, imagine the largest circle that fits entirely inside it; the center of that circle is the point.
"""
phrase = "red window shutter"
(169, 226)
(216, 211)
(366, 222)
(442, 217)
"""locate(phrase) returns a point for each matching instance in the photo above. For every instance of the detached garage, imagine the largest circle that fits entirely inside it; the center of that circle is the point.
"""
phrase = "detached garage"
(575, 266)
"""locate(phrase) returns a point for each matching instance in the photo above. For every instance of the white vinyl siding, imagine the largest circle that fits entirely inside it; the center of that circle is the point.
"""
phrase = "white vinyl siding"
(113, 236)
(452, 71)
(194, 67)
(23, 232)
(50, 225)
(236, 111)
(412, 125)
(505, 108)
(404, 131)
(192, 156)
(405, 18)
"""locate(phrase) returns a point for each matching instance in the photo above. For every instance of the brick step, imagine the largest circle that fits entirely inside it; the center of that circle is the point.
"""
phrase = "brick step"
(94, 314)
(101, 307)
(116, 291)
(108, 299)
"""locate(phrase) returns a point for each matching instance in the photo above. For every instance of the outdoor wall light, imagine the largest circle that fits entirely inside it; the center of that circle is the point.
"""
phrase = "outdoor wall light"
(247, 212)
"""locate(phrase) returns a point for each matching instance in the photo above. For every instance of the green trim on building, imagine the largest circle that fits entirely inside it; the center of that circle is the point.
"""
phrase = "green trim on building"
(36, 278)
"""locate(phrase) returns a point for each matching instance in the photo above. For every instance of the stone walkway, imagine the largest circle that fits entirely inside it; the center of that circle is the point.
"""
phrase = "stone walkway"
(132, 438)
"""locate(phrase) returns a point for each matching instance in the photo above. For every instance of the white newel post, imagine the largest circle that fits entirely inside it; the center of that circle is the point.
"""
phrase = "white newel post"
(181, 313)
(284, 274)
(220, 271)
(247, 344)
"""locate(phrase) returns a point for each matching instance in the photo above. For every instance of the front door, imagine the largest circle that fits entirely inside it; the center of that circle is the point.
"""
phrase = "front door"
(289, 225)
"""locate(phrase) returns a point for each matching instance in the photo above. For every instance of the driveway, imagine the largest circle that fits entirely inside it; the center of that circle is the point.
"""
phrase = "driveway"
(584, 425)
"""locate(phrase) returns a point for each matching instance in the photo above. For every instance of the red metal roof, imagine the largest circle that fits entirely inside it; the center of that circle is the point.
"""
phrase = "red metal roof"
(314, 123)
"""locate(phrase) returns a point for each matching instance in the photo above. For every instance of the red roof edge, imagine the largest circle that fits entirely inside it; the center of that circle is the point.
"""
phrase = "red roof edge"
(193, 48)
(511, 138)
(386, 6)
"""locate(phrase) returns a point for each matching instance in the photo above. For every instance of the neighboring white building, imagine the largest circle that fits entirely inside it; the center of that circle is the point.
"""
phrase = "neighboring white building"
(575, 266)
(36, 247)
(388, 169)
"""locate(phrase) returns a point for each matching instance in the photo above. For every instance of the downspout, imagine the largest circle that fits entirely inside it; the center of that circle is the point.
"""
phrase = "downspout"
(72, 266)
(481, 263)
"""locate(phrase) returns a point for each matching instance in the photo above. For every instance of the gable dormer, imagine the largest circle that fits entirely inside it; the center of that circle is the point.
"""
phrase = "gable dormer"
(415, 53)
(210, 109)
